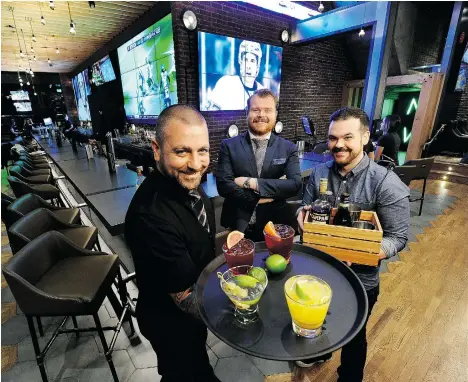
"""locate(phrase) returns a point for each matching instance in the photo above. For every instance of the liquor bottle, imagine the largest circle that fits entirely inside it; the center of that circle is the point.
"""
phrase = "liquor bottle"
(321, 208)
(140, 176)
(343, 217)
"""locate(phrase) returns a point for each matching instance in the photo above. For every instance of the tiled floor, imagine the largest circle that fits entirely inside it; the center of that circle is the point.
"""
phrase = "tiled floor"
(71, 359)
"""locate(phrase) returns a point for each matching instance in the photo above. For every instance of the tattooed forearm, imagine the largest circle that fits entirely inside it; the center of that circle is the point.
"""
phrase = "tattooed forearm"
(186, 301)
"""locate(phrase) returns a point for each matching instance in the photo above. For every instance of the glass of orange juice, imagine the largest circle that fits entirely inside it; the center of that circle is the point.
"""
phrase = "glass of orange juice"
(308, 299)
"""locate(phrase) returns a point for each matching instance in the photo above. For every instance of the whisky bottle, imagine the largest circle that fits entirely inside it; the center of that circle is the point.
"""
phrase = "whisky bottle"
(321, 208)
(343, 217)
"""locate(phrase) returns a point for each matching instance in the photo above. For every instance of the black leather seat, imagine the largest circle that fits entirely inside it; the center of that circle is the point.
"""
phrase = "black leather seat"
(33, 170)
(34, 164)
(34, 179)
(42, 220)
(31, 202)
(45, 191)
(53, 277)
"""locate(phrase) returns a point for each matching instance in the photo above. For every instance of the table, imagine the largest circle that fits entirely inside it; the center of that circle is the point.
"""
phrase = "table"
(321, 158)
(271, 336)
(107, 194)
(111, 208)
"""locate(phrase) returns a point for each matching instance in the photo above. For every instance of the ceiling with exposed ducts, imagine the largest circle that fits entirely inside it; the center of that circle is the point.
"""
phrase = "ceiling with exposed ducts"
(94, 28)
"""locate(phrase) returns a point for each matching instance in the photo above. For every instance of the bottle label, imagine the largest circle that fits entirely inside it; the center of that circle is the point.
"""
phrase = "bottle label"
(323, 186)
(319, 218)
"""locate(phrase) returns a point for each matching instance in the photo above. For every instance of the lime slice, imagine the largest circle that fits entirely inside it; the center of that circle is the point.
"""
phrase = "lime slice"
(305, 291)
(245, 281)
(258, 273)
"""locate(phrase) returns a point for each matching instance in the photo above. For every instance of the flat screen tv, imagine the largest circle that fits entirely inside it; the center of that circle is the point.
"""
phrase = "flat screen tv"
(147, 69)
(19, 95)
(82, 90)
(232, 69)
(463, 73)
(22, 106)
(102, 71)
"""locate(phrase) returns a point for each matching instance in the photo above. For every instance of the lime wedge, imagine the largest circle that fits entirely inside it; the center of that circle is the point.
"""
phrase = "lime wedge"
(245, 281)
(302, 291)
(258, 273)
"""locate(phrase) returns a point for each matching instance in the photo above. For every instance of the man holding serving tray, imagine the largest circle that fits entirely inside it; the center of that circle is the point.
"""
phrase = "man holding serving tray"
(373, 188)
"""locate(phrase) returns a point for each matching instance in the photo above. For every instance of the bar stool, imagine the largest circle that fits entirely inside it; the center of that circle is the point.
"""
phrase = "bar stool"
(53, 277)
(45, 191)
(34, 179)
(31, 202)
(42, 220)
(37, 164)
(423, 168)
(33, 170)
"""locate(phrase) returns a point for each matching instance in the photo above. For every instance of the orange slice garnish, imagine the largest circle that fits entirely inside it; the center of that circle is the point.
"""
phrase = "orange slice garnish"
(271, 231)
(233, 238)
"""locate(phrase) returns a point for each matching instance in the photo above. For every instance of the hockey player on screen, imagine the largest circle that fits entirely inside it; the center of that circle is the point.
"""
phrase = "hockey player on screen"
(164, 87)
(146, 84)
(232, 92)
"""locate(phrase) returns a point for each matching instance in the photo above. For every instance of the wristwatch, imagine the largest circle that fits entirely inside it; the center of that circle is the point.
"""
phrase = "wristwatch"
(247, 183)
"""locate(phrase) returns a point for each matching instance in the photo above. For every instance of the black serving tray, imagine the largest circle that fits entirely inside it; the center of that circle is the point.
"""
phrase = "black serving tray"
(272, 337)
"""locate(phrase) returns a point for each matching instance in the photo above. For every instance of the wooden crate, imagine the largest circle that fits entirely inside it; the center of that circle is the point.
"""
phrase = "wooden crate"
(360, 246)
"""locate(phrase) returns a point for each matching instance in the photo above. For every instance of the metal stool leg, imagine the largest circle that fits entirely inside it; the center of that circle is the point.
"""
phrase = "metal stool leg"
(75, 325)
(39, 326)
(98, 246)
(37, 351)
(422, 197)
(105, 347)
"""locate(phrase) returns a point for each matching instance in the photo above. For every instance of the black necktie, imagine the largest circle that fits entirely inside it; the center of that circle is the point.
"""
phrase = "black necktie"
(199, 208)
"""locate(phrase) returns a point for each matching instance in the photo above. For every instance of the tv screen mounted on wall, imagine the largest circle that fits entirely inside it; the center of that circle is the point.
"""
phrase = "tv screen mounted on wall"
(232, 69)
(147, 69)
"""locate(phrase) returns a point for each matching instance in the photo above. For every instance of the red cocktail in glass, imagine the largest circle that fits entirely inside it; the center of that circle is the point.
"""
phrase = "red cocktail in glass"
(240, 254)
(283, 245)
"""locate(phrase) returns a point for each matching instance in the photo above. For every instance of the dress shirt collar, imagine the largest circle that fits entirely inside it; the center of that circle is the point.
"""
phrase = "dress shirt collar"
(264, 137)
(363, 164)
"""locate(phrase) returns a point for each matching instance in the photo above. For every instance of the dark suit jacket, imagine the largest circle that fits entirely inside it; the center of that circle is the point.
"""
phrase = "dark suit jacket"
(236, 158)
(169, 246)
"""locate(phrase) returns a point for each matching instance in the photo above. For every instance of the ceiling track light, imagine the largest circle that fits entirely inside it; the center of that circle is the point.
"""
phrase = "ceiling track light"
(35, 59)
(321, 7)
(33, 37)
(72, 24)
(21, 84)
(51, 5)
(43, 22)
(32, 49)
(28, 83)
(92, 4)
(57, 51)
(48, 61)
(362, 33)
(21, 53)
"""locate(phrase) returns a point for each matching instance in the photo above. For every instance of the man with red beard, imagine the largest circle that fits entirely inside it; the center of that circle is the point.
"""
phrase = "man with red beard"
(170, 229)
(373, 188)
(257, 171)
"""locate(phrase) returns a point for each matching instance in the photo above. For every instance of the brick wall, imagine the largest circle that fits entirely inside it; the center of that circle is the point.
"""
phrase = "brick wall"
(455, 106)
(69, 97)
(430, 31)
(312, 75)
